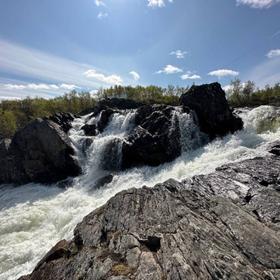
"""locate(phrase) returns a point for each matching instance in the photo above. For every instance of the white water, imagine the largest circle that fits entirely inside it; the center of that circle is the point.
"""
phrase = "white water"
(34, 217)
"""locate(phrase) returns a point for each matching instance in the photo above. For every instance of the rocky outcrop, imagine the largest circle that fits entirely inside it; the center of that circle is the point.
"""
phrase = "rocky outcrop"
(211, 107)
(64, 120)
(40, 152)
(156, 138)
(225, 225)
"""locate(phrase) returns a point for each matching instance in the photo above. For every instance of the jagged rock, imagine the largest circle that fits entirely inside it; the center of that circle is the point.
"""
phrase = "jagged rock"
(104, 118)
(64, 120)
(213, 112)
(40, 152)
(225, 225)
(90, 129)
(155, 140)
(103, 181)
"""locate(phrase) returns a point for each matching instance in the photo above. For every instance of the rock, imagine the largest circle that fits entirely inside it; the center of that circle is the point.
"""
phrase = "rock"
(104, 119)
(103, 181)
(4, 147)
(155, 140)
(224, 225)
(64, 120)
(90, 129)
(40, 152)
(211, 107)
(274, 148)
(112, 155)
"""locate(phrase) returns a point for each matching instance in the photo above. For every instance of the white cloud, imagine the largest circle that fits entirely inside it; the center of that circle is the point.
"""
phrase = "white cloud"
(268, 72)
(223, 73)
(273, 53)
(99, 3)
(157, 3)
(134, 75)
(179, 54)
(41, 86)
(17, 60)
(227, 88)
(17, 90)
(190, 76)
(170, 69)
(102, 15)
(111, 79)
(258, 4)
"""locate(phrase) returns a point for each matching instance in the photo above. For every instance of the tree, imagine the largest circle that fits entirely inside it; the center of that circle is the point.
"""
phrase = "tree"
(248, 89)
(7, 124)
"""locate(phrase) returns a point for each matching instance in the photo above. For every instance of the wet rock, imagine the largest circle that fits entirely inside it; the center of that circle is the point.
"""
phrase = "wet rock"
(104, 119)
(213, 112)
(40, 152)
(200, 228)
(112, 155)
(155, 140)
(90, 129)
(103, 181)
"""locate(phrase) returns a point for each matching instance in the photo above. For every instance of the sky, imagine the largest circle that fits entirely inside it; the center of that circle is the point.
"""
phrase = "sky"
(50, 47)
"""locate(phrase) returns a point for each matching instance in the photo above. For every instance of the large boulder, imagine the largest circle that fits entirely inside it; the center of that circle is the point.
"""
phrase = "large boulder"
(156, 138)
(40, 152)
(224, 225)
(214, 114)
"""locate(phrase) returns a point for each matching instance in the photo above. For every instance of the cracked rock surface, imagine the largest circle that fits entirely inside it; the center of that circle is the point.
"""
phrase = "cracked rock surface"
(225, 225)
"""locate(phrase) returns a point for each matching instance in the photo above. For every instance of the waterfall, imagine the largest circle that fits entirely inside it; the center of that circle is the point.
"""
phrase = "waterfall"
(191, 136)
(34, 217)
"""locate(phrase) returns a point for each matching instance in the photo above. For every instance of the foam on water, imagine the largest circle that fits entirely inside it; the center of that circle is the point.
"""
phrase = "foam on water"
(34, 217)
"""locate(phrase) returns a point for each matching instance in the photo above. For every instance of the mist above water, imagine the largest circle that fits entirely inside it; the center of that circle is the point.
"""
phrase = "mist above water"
(34, 217)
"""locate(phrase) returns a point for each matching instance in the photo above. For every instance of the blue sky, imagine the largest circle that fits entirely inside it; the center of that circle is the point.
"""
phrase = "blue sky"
(49, 47)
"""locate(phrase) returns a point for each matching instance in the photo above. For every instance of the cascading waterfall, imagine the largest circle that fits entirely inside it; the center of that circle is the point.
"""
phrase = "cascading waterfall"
(34, 217)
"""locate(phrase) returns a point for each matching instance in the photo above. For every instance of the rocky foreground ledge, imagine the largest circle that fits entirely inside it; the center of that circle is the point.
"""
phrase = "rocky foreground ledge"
(225, 225)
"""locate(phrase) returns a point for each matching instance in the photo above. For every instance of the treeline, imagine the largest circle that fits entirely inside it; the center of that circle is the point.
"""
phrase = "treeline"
(15, 114)
(147, 95)
(247, 94)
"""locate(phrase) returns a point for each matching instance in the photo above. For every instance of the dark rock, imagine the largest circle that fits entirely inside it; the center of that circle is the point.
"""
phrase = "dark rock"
(4, 147)
(274, 148)
(90, 129)
(104, 119)
(201, 228)
(40, 152)
(112, 155)
(64, 120)
(103, 181)
(155, 140)
(213, 112)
